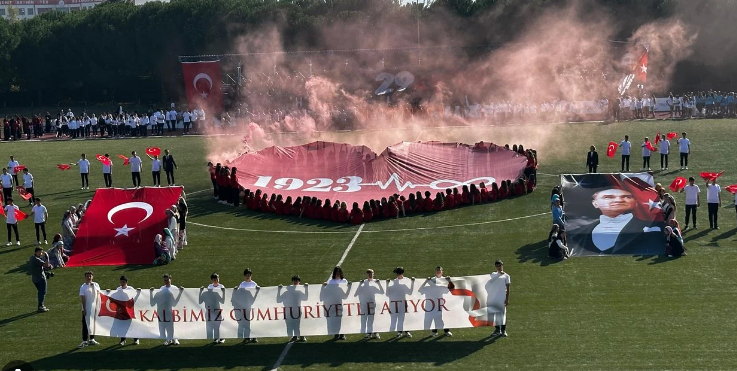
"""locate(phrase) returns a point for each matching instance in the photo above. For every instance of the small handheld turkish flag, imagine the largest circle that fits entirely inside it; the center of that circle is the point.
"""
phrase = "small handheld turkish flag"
(678, 184)
(657, 138)
(19, 215)
(19, 168)
(23, 193)
(731, 188)
(125, 159)
(118, 309)
(671, 135)
(63, 167)
(153, 151)
(650, 146)
(99, 157)
(106, 161)
(611, 150)
(710, 176)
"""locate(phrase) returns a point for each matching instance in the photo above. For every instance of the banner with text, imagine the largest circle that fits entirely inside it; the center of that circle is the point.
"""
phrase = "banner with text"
(301, 310)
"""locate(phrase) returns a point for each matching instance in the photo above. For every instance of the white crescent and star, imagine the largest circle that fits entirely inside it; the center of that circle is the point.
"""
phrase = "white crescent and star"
(123, 231)
(107, 305)
(643, 68)
(202, 76)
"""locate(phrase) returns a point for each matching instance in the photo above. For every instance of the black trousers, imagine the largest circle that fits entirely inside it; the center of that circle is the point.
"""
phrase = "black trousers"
(214, 187)
(40, 227)
(85, 332)
(684, 159)
(33, 194)
(170, 177)
(14, 227)
(645, 162)
(136, 176)
(691, 211)
(157, 177)
(625, 160)
(713, 214)
(85, 179)
(236, 192)
(663, 159)
(108, 179)
(7, 193)
(592, 168)
(15, 179)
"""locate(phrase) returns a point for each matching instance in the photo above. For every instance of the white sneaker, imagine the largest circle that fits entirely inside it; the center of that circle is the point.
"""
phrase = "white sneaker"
(220, 341)
(167, 342)
(46, 242)
(399, 334)
(376, 335)
(367, 336)
(8, 244)
(136, 342)
(17, 243)
(408, 334)
(504, 334)
(93, 342)
(175, 342)
(82, 344)
(122, 342)
(82, 188)
(434, 334)
(448, 333)
(686, 167)
(38, 243)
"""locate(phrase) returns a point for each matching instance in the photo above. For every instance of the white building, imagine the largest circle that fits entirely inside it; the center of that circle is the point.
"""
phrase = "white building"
(25, 9)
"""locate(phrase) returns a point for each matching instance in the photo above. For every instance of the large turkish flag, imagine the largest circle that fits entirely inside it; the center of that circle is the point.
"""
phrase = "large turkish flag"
(120, 225)
(204, 85)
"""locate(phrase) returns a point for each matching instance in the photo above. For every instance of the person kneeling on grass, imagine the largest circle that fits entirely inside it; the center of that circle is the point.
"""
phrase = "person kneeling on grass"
(163, 256)
(674, 243)
(556, 248)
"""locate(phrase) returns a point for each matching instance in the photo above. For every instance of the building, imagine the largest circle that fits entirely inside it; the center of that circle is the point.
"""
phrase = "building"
(25, 9)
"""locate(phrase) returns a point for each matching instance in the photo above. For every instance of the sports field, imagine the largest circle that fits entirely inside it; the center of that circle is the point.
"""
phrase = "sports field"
(612, 313)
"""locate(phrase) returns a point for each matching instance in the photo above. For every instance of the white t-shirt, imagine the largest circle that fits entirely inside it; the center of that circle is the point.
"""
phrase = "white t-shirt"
(135, 163)
(625, 146)
(10, 214)
(12, 165)
(89, 292)
(84, 166)
(6, 180)
(692, 194)
(213, 287)
(39, 213)
(645, 151)
(186, 116)
(248, 285)
(664, 147)
(337, 281)
(712, 193)
(683, 145)
(156, 165)
(499, 281)
(28, 180)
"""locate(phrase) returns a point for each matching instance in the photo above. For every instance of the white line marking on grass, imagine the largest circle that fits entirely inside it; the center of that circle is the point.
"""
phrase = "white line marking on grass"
(419, 135)
(539, 173)
(374, 231)
(284, 352)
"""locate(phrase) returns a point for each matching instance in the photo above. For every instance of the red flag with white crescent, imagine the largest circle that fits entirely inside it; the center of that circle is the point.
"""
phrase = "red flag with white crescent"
(710, 175)
(678, 184)
(671, 135)
(611, 150)
(640, 70)
(657, 138)
(731, 188)
(153, 151)
(118, 309)
(203, 83)
(650, 146)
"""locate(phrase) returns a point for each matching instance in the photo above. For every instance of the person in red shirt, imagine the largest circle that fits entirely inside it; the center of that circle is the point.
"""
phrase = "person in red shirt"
(403, 205)
(375, 208)
(325, 212)
(484, 193)
(531, 183)
(510, 188)
(448, 199)
(428, 206)
(223, 186)
(212, 170)
(255, 202)
(343, 213)
(503, 191)
(368, 213)
(466, 195)
(356, 214)
(278, 205)
(235, 188)
(263, 204)
(520, 188)
(457, 198)
(296, 207)
(494, 193)
(287, 206)
(438, 203)
(315, 209)
(420, 202)
(475, 195)
(335, 211)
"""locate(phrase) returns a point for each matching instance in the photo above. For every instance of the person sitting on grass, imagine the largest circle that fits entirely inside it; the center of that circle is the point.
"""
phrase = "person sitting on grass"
(368, 212)
(556, 247)
(58, 255)
(674, 243)
(163, 257)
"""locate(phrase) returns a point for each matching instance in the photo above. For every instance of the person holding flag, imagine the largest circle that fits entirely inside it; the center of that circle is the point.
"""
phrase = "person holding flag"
(135, 163)
(11, 168)
(664, 150)
(647, 149)
(7, 182)
(28, 185)
(107, 170)
(692, 201)
(11, 220)
(626, 146)
(84, 171)
(155, 169)
(713, 201)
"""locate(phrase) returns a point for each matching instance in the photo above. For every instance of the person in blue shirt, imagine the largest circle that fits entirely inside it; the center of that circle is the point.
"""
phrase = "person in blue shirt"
(558, 216)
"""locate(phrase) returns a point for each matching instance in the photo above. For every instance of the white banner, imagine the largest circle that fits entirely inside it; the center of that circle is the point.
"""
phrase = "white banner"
(302, 310)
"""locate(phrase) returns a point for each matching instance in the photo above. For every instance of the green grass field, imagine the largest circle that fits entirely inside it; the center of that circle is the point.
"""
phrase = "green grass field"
(612, 313)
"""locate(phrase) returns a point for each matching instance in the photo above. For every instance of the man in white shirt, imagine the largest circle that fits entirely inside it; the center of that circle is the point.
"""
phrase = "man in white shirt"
(125, 292)
(171, 118)
(84, 171)
(664, 151)
(713, 202)
(625, 147)
(88, 292)
(433, 285)
(212, 297)
(11, 169)
(165, 300)
(7, 182)
(684, 147)
(107, 172)
(187, 120)
(28, 185)
(692, 200)
(40, 214)
(248, 283)
(10, 220)
(646, 154)
(160, 119)
(135, 163)
(144, 125)
(155, 169)
(500, 318)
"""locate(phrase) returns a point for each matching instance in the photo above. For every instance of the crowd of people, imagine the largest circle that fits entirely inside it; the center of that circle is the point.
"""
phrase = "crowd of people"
(228, 191)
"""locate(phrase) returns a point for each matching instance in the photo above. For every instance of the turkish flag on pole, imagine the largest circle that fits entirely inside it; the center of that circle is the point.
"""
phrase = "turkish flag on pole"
(731, 188)
(611, 150)
(710, 176)
(204, 85)
(641, 68)
(120, 226)
(650, 146)
(678, 184)
(153, 151)
(671, 135)
(657, 138)
(118, 309)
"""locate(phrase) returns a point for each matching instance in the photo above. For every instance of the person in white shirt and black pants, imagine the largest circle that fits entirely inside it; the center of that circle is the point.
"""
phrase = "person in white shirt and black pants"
(713, 202)
(28, 185)
(684, 147)
(10, 221)
(11, 169)
(692, 201)
(84, 171)
(155, 169)
(40, 214)
(88, 292)
(664, 150)
(625, 146)
(7, 182)
(135, 163)
(646, 153)
(107, 172)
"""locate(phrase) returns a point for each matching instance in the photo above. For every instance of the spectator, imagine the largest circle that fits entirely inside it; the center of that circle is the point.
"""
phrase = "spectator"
(58, 255)
(169, 166)
(36, 267)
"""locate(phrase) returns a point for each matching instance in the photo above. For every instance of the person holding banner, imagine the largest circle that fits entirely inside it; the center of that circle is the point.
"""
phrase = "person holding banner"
(713, 202)
(684, 148)
(128, 292)
(211, 299)
(366, 293)
(435, 287)
(500, 318)
(244, 326)
(333, 294)
(165, 301)
(397, 291)
(625, 146)
(291, 297)
(88, 292)
(84, 171)
(11, 221)
(11, 168)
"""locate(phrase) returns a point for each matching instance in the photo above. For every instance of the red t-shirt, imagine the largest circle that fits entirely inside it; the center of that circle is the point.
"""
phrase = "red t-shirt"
(278, 207)
(484, 195)
(265, 206)
(325, 212)
(407, 208)
(376, 212)
(234, 182)
(438, 206)
(343, 215)
(429, 206)
(519, 189)
(493, 194)
(368, 214)
(420, 205)
(449, 202)
(287, 209)
(465, 198)
(502, 193)
(334, 215)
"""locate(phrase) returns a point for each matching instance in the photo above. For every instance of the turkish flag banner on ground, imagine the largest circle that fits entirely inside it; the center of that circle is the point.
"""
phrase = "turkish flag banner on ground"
(19, 168)
(19, 215)
(118, 309)
(710, 176)
(125, 159)
(120, 226)
(731, 188)
(678, 184)
(63, 167)
(153, 151)
(657, 138)
(23, 193)
(611, 149)
(641, 68)
(671, 135)
(650, 146)
(203, 83)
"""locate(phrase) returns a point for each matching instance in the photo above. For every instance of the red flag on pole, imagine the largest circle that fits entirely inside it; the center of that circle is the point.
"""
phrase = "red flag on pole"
(203, 83)
(671, 135)
(641, 68)
(678, 184)
(657, 138)
(611, 150)
(710, 176)
(731, 188)
(650, 146)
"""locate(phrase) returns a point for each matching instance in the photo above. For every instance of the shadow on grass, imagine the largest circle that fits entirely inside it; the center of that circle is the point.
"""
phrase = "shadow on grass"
(5, 321)
(302, 355)
(21, 268)
(690, 237)
(535, 252)
(724, 235)
(8, 251)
